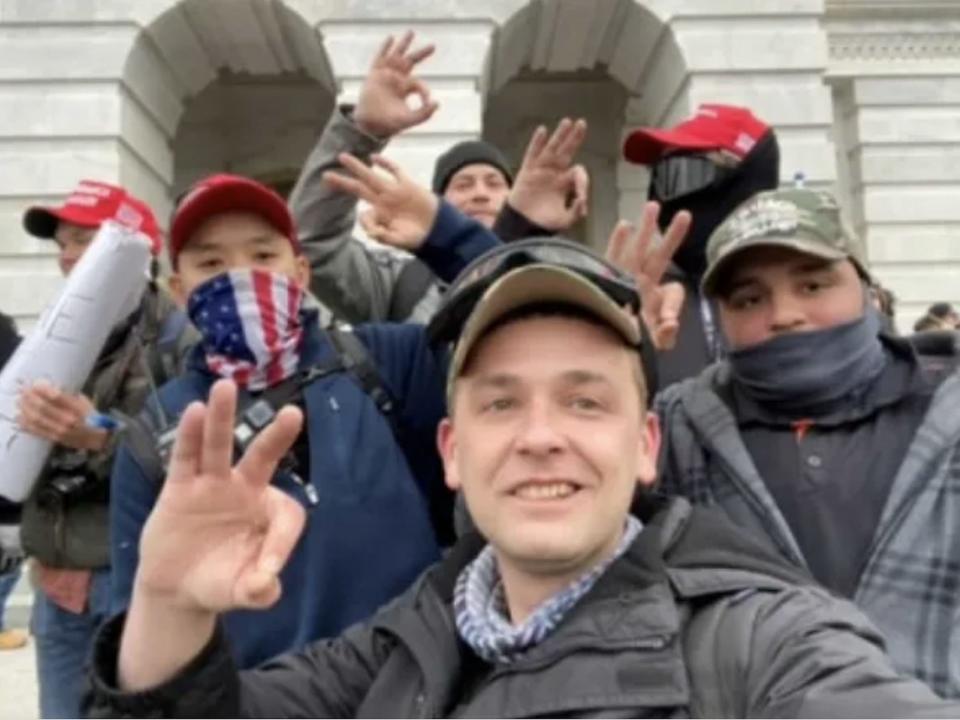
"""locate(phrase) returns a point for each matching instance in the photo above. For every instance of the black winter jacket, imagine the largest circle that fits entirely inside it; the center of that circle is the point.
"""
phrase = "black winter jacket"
(9, 340)
(696, 619)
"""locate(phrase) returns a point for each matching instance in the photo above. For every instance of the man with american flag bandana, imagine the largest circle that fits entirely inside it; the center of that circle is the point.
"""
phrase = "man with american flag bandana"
(370, 494)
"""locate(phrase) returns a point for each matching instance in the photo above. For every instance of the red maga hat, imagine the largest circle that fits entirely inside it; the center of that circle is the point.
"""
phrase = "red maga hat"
(713, 127)
(91, 204)
(228, 193)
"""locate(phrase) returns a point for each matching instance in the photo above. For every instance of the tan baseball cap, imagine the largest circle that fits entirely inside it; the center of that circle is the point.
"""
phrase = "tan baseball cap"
(532, 285)
(807, 221)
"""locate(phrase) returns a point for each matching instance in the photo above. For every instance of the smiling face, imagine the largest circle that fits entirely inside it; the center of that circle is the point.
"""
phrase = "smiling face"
(548, 438)
(776, 290)
(478, 190)
(233, 241)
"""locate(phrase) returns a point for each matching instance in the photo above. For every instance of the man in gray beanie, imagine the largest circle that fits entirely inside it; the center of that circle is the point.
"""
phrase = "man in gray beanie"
(475, 178)
(361, 283)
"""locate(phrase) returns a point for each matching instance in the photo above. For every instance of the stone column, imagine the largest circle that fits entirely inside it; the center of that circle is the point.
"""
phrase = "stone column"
(769, 57)
(897, 84)
(61, 117)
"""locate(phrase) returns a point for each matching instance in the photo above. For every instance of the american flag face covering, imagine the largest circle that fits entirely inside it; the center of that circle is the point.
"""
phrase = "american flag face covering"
(250, 323)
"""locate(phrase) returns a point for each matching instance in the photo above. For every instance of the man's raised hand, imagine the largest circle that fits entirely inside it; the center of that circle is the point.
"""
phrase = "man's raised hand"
(635, 251)
(220, 534)
(401, 212)
(383, 107)
(549, 189)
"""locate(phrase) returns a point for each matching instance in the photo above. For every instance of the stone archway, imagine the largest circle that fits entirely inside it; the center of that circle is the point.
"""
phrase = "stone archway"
(209, 88)
(614, 62)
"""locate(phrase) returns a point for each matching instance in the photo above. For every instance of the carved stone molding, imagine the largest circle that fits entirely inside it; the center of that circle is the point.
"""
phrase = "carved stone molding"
(901, 46)
(891, 9)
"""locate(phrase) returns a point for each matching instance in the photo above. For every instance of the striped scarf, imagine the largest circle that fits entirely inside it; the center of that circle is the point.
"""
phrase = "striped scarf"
(250, 322)
(480, 605)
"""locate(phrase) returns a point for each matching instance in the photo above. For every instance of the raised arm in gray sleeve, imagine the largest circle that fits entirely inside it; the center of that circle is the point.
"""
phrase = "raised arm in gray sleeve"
(351, 278)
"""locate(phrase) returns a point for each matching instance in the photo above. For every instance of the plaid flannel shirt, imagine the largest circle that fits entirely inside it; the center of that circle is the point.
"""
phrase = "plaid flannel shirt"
(910, 586)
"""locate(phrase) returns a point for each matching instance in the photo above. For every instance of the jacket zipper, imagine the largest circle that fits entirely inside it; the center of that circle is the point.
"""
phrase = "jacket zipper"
(781, 535)
(423, 706)
(313, 498)
(653, 642)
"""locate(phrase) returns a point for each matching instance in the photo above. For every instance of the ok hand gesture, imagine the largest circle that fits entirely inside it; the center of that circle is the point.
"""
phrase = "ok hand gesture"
(549, 189)
(383, 106)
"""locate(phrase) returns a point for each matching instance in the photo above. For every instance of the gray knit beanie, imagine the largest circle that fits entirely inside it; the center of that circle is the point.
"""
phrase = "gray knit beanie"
(466, 153)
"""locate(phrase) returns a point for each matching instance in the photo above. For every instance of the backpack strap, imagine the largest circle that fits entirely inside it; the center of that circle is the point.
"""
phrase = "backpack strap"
(150, 443)
(359, 364)
(170, 344)
(140, 436)
(412, 284)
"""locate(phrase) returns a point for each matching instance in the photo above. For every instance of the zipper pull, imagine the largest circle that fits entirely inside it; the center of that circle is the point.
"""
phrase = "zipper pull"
(313, 498)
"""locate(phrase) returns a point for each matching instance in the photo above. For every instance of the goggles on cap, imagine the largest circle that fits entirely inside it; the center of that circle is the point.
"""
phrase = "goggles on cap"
(468, 288)
(674, 176)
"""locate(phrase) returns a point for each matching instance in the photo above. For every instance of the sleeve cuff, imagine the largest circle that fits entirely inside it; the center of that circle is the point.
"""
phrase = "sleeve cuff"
(512, 225)
(445, 222)
(362, 142)
(207, 686)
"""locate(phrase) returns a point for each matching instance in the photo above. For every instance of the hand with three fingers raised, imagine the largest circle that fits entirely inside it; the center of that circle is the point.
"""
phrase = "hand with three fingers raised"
(638, 251)
(216, 539)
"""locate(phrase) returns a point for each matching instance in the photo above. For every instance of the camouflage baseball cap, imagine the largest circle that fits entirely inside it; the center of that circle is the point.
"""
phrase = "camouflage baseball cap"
(807, 221)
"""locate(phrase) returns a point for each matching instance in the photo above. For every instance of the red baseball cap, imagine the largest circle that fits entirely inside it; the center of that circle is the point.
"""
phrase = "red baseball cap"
(228, 193)
(713, 127)
(89, 205)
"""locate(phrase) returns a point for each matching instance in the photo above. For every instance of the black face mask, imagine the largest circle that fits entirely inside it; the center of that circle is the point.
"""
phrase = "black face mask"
(759, 170)
(811, 372)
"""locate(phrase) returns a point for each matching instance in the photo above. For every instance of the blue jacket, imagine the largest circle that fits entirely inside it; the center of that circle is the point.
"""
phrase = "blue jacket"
(370, 534)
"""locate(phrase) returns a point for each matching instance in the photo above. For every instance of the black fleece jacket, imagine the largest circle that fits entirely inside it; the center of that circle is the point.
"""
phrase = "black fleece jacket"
(9, 340)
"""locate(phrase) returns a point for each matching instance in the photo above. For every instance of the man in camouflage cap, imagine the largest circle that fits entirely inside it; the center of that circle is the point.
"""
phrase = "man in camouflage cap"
(806, 221)
(835, 441)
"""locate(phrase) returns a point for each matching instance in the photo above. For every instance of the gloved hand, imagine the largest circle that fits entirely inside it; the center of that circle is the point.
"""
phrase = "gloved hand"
(11, 551)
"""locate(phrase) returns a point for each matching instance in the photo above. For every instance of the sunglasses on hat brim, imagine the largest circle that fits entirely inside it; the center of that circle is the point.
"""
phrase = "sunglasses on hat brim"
(471, 284)
(675, 176)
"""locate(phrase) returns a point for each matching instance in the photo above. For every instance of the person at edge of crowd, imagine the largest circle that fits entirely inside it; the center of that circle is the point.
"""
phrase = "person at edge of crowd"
(11, 551)
(707, 165)
(64, 519)
(926, 323)
(360, 283)
(369, 492)
(564, 604)
(885, 301)
(935, 335)
(939, 316)
(834, 440)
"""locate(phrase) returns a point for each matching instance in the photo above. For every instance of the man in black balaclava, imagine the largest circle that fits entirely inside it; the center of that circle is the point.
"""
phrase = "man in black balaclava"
(708, 164)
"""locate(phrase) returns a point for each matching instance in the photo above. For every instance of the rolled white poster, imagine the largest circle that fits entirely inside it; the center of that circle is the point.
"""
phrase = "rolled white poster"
(105, 286)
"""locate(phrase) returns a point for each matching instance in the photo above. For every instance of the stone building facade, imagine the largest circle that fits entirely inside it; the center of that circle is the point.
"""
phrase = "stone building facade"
(865, 96)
